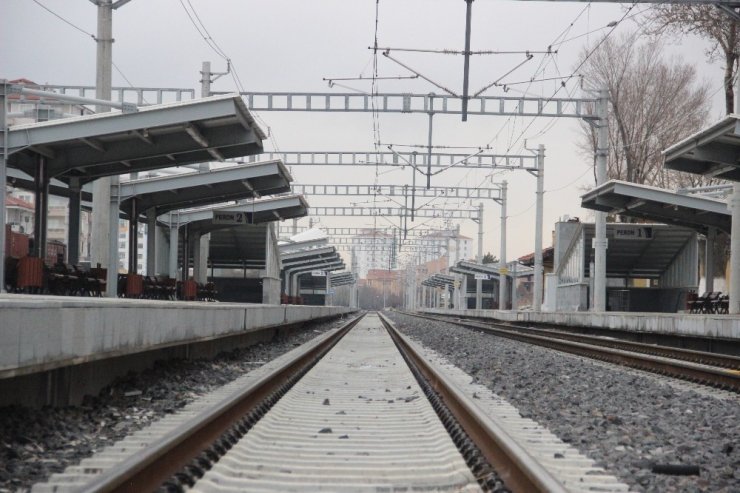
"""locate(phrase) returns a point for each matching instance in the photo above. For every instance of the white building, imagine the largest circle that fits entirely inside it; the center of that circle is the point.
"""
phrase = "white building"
(373, 249)
(447, 243)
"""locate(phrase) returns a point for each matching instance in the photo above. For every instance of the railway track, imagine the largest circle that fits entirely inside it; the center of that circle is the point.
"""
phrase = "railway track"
(359, 409)
(721, 371)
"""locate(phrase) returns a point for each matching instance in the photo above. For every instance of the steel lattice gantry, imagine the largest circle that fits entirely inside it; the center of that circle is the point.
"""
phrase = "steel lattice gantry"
(478, 159)
(394, 212)
(420, 103)
(403, 190)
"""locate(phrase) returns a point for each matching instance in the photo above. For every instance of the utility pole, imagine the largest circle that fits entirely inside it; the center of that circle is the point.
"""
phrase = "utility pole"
(502, 271)
(538, 268)
(479, 259)
(200, 269)
(104, 245)
(600, 242)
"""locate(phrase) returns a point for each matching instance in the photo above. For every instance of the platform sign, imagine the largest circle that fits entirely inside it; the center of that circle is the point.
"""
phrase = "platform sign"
(318, 273)
(482, 277)
(232, 217)
(633, 233)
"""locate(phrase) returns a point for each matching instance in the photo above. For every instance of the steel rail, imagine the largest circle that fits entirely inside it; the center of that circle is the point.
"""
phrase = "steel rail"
(148, 470)
(708, 375)
(701, 357)
(519, 471)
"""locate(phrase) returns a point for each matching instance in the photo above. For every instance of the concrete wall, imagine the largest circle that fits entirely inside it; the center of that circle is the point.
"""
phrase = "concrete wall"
(572, 297)
(719, 326)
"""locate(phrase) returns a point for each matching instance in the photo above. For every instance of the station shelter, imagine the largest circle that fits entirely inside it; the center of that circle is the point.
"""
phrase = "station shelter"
(76, 151)
(244, 259)
(650, 267)
(306, 270)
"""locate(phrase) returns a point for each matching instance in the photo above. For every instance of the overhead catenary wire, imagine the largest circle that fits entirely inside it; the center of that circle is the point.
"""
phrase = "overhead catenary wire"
(202, 30)
(86, 33)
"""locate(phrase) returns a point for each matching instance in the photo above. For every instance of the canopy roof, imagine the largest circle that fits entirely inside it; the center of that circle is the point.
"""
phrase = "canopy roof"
(439, 280)
(328, 264)
(659, 205)
(472, 268)
(195, 189)
(342, 279)
(638, 250)
(304, 257)
(256, 211)
(157, 136)
(714, 151)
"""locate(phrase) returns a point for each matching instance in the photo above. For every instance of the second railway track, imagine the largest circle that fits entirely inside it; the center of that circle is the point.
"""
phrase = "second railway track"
(711, 369)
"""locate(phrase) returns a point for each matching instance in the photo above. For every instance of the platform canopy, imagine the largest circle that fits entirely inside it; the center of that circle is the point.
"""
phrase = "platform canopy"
(713, 151)
(287, 247)
(659, 205)
(342, 279)
(157, 136)
(304, 257)
(223, 216)
(639, 250)
(195, 189)
(236, 244)
(439, 281)
(473, 268)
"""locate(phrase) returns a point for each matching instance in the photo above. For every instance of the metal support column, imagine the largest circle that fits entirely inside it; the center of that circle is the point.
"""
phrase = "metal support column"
(709, 259)
(112, 238)
(429, 139)
(197, 238)
(464, 291)
(327, 289)
(133, 237)
(73, 221)
(600, 242)
(538, 268)
(174, 238)
(41, 182)
(503, 284)
(735, 251)
(3, 172)
(466, 63)
(151, 242)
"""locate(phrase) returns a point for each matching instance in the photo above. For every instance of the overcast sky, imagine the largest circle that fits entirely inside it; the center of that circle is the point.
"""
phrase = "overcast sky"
(291, 45)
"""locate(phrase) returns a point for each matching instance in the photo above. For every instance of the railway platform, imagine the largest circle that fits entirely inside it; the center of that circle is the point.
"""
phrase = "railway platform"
(673, 324)
(66, 347)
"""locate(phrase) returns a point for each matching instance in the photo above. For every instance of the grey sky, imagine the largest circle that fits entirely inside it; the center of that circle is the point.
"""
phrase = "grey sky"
(290, 45)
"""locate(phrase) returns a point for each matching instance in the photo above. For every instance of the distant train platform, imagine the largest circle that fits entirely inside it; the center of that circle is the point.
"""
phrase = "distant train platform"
(719, 326)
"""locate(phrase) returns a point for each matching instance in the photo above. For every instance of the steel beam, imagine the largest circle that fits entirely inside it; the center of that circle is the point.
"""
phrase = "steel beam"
(393, 212)
(478, 159)
(580, 108)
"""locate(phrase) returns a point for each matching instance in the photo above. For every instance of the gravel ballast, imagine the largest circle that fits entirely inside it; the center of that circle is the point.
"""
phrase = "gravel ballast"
(34, 443)
(629, 423)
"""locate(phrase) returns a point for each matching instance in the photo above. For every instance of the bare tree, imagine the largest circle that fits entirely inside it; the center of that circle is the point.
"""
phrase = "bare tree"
(720, 29)
(653, 103)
